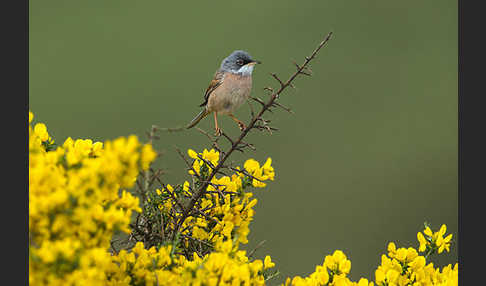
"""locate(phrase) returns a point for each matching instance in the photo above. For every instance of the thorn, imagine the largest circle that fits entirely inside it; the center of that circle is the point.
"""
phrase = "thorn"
(258, 100)
(283, 107)
(268, 89)
(276, 77)
(297, 65)
(305, 73)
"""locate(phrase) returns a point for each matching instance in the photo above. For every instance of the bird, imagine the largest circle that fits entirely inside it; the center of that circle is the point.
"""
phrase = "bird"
(228, 90)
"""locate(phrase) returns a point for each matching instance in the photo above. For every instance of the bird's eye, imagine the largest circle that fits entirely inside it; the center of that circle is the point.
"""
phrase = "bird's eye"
(239, 62)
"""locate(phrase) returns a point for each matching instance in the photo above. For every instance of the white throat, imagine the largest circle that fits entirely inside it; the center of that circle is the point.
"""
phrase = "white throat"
(246, 70)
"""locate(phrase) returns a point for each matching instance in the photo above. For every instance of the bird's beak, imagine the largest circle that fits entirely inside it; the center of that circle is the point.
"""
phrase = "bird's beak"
(254, 63)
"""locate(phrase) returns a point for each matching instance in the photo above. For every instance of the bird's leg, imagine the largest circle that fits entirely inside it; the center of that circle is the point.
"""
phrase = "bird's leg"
(218, 131)
(240, 124)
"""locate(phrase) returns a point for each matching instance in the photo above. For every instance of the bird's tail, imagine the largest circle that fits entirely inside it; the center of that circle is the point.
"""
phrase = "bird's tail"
(198, 118)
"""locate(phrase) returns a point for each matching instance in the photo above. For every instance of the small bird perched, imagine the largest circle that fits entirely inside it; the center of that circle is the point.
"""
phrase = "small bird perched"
(229, 89)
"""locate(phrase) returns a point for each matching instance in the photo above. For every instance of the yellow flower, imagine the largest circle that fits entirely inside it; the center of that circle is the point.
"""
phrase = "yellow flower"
(422, 241)
(40, 130)
(379, 276)
(418, 263)
(446, 244)
(199, 233)
(192, 153)
(391, 249)
(211, 156)
(128, 201)
(442, 230)
(267, 262)
(256, 266)
(258, 184)
(185, 186)
(147, 156)
(392, 276)
(170, 188)
(97, 149)
(338, 262)
(227, 229)
(268, 170)
(260, 174)
(364, 282)
(251, 166)
(321, 276)
(435, 241)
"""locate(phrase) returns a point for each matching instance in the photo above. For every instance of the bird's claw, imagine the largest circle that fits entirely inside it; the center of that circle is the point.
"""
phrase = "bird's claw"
(218, 132)
(241, 125)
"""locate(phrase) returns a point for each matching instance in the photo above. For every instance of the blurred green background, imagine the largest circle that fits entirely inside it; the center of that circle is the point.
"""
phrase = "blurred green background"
(368, 156)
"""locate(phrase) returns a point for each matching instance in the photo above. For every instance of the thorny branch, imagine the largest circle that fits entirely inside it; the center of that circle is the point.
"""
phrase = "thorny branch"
(235, 144)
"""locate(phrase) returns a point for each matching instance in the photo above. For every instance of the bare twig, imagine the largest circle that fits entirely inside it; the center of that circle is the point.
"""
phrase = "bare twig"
(213, 140)
(171, 129)
(256, 248)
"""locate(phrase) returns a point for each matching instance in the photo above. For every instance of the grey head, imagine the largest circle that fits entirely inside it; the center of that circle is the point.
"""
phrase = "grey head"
(238, 62)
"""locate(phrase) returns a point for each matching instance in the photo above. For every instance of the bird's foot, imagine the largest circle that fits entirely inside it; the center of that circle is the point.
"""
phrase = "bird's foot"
(218, 132)
(241, 125)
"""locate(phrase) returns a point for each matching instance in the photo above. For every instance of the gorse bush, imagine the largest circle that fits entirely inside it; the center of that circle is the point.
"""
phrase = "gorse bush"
(78, 200)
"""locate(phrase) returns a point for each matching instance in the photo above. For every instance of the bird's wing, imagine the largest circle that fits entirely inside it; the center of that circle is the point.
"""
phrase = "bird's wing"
(215, 82)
